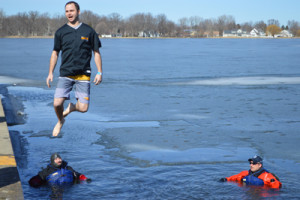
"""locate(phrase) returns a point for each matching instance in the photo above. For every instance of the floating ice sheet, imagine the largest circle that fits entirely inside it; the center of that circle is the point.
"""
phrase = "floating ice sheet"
(11, 80)
(255, 80)
(201, 155)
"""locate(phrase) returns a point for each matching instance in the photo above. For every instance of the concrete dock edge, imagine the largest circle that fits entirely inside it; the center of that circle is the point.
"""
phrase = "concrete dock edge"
(10, 184)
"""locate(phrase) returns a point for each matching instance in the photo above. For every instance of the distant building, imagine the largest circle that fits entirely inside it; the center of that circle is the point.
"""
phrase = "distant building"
(189, 33)
(240, 33)
(284, 33)
(150, 34)
(211, 34)
(257, 33)
(235, 33)
(118, 35)
(106, 36)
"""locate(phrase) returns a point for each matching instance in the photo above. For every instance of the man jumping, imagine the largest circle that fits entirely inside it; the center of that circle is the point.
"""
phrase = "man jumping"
(76, 41)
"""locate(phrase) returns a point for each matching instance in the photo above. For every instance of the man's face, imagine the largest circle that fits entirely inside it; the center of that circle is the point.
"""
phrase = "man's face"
(255, 167)
(71, 13)
(58, 161)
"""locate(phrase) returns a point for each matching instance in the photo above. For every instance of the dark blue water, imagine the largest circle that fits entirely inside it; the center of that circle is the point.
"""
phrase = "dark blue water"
(171, 117)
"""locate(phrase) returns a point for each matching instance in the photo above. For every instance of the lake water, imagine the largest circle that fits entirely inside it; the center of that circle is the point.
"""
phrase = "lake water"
(170, 119)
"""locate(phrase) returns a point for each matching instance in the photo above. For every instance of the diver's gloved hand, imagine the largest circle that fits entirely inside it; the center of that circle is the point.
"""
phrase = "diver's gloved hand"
(88, 180)
(35, 181)
(223, 180)
(84, 178)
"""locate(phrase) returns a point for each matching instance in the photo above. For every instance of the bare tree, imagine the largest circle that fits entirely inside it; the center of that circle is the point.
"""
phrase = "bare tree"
(115, 23)
(102, 27)
(55, 23)
(225, 22)
(89, 18)
(135, 24)
(183, 22)
(35, 24)
(2, 18)
(162, 24)
(273, 22)
(261, 25)
(247, 26)
(294, 27)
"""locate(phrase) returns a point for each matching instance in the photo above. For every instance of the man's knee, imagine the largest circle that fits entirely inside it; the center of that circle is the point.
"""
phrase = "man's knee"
(82, 107)
(58, 102)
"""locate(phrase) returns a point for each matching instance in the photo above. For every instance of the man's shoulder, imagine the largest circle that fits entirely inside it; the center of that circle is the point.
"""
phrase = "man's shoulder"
(88, 27)
(61, 29)
(269, 174)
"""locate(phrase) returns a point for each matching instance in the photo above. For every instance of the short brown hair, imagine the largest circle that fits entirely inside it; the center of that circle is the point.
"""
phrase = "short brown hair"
(75, 3)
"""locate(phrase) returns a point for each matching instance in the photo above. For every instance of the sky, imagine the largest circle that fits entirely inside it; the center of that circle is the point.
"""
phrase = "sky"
(242, 10)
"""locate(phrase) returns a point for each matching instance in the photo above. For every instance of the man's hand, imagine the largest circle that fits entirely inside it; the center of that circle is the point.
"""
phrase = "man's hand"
(49, 79)
(98, 79)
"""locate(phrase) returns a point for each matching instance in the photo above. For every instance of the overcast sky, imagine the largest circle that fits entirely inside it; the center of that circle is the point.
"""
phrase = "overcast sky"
(241, 10)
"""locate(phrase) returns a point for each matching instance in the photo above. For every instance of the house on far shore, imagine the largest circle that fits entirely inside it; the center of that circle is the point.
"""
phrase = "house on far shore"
(235, 33)
(118, 35)
(284, 33)
(254, 33)
(211, 34)
(257, 33)
(106, 36)
(150, 34)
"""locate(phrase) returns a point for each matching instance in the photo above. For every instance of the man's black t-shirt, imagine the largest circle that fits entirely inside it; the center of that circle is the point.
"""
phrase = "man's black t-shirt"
(76, 46)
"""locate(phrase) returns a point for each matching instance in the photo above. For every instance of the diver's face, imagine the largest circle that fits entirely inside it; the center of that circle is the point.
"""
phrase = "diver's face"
(255, 166)
(58, 161)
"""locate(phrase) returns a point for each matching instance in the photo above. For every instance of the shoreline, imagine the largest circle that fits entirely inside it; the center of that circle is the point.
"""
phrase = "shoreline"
(10, 183)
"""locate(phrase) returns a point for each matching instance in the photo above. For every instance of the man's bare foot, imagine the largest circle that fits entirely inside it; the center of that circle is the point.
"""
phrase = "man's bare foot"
(71, 107)
(57, 128)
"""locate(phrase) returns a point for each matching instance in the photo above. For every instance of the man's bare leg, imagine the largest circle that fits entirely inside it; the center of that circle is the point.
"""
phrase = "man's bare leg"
(71, 108)
(80, 107)
(59, 108)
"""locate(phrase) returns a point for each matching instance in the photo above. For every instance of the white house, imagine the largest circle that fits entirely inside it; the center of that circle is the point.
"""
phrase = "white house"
(284, 33)
(257, 33)
(235, 33)
(148, 34)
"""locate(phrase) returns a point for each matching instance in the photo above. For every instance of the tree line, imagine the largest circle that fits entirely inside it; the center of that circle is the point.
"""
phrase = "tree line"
(33, 23)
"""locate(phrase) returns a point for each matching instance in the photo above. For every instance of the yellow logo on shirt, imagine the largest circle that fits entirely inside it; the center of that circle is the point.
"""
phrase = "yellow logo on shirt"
(84, 38)
(86, 98)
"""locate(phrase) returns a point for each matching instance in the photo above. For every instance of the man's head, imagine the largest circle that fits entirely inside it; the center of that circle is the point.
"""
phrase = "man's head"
(72, 11)
(255, 163)
(56, 160)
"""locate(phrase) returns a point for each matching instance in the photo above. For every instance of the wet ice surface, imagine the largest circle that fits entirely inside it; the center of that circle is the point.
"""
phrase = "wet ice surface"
(150, 135)
(175, 155)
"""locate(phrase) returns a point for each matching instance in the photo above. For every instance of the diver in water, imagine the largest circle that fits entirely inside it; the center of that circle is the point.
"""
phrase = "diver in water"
(57, 173)
(256, 175)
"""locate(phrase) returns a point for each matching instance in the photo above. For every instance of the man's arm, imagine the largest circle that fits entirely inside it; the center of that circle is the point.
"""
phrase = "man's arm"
(39, 179)
(270, 180)
(36, 181)
(237, 177)
(98, 62)
(53, 61)
(75, 173)
(78, 176)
